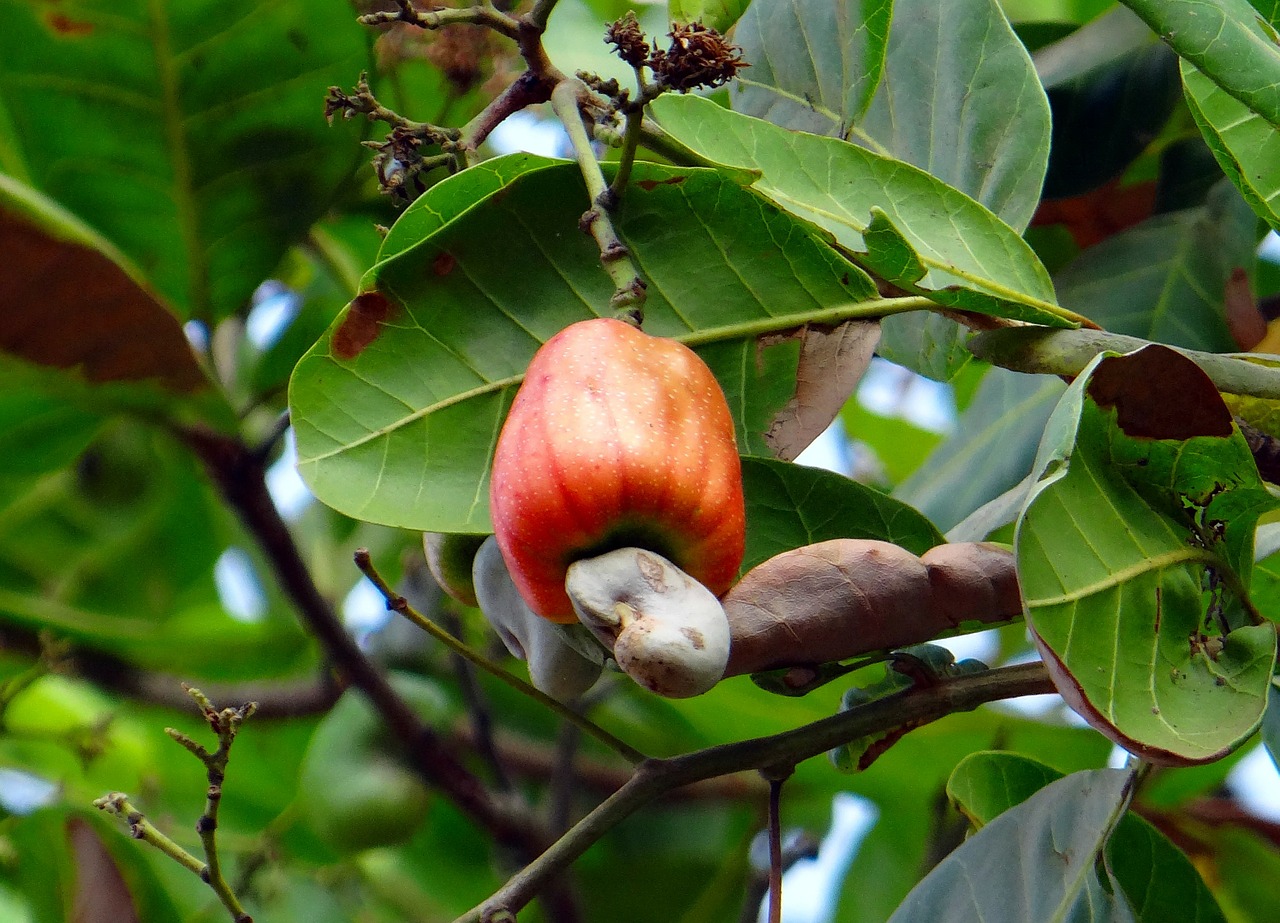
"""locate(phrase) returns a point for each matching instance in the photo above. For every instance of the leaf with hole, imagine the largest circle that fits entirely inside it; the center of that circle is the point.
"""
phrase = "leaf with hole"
(1135, 552)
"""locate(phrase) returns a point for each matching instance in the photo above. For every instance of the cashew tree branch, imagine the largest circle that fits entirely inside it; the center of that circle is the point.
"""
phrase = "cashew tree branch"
(656, 777)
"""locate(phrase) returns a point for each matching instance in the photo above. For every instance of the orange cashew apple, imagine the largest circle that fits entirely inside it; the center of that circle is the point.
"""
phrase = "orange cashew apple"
(616, 439)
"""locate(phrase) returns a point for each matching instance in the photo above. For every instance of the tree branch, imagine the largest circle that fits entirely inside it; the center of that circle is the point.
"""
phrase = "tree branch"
(242, 479)
(1041, 351)
(654, 778)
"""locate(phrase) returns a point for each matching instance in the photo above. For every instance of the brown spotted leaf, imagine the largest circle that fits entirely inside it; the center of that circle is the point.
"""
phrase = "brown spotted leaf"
(398, 407)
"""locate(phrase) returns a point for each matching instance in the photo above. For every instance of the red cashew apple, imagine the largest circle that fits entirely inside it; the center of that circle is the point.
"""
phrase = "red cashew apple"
(616, 439)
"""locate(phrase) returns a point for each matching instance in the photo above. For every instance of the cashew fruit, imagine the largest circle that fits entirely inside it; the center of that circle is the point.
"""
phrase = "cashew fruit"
(665, 629)
(616, 439)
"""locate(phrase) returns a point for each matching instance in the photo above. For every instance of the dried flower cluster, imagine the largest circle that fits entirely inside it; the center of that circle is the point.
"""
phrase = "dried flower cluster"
(698, 55)
(628, 39)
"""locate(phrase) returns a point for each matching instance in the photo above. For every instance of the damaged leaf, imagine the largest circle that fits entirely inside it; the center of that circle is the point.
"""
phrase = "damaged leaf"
(1135, 553)
(832, 362)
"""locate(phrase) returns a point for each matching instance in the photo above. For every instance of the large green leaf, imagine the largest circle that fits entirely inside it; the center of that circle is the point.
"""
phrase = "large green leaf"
(1157, 878)
(1034, 862)
(815, 65)
(1134, 555)
(958, 95)
(397, 409)
(1244, 144)
(1009, 411)
(897, 220)
(187, 133)
(1228, 41)
(1165, 279)
(790, 505)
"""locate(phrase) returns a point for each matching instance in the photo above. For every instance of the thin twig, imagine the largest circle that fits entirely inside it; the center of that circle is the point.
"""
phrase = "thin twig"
(775, 850)
(654, 778)
(629, 288)
(397, 603)
(142, 829)
(483, 14)
(225, 723)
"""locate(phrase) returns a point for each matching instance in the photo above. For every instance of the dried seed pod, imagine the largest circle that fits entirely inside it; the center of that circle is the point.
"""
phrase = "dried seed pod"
(666, 630)
(847, 597)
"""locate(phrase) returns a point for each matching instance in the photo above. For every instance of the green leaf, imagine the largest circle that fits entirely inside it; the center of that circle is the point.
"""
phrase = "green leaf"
(1245, 145)
(1009, 411)
(1227, 41)
(815, 65)
(397, 409)
(146, 121)
(1034, 862)
(949, 89)
(896, 220)
(985, 785)
(39, 434)
(790, 505)
(929, 344)
(452, 196)
(1165, 279)
(718, 14)
(1157, 878)
(1134, 554)
(117, 553)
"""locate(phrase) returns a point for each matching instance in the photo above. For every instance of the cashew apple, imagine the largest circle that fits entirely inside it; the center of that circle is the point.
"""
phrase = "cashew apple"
(616, 439)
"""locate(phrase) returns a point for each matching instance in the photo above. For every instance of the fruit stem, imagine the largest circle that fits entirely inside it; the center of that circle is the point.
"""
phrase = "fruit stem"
(397, 603)
(629, 288)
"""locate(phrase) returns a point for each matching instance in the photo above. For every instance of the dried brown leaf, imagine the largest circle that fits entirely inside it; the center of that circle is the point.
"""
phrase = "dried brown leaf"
(848, 597)
(832, 362)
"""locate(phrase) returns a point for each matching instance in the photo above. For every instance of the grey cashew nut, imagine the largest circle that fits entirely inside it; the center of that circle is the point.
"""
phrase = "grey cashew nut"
(557, 665)
(666, 630)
